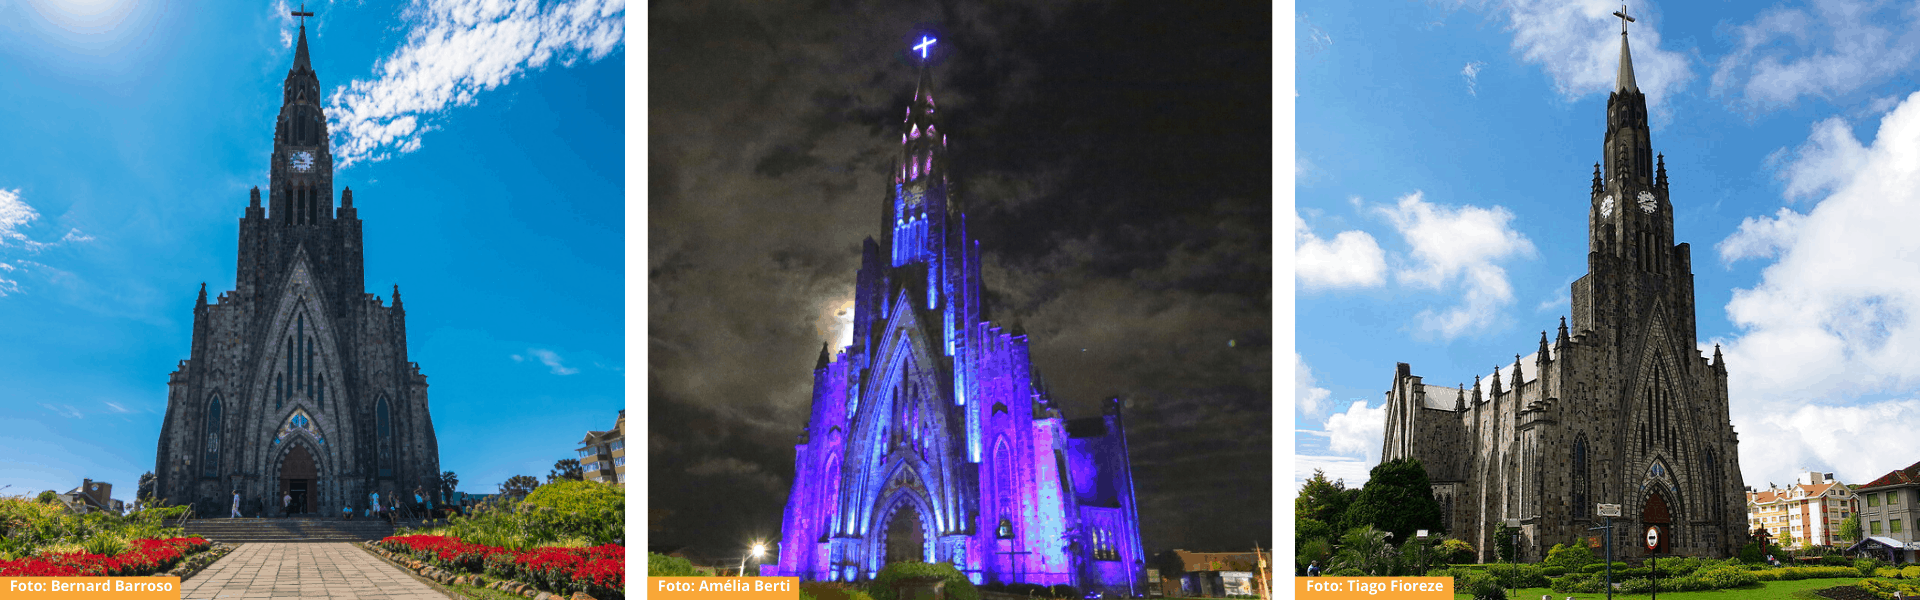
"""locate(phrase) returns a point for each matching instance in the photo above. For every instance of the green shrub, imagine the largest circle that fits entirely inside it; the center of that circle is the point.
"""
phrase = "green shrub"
(1570, 557)
(47, 497)
(1798, 573)
(1480, 585)
(1518, 575)
(1601, 567)
(105, 544)
(1441, 572)
(1720, 577)
(957, 588)
(661, 565)
(1885, 589)
(588, 509)
(1553, 570)
(1347, 572)
(1580, 583)
(1910, 572)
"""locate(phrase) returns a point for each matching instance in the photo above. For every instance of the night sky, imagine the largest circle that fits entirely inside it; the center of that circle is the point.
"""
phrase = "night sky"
(1113, 158)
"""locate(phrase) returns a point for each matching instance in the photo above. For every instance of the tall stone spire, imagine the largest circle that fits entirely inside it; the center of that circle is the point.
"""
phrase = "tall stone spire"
(1623, 82)
(300, 60)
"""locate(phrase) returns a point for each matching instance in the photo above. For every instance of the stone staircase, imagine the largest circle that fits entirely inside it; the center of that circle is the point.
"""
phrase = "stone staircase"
(290, 530)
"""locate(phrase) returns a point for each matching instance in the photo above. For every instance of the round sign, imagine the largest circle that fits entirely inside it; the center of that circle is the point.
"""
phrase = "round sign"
(1653, 538)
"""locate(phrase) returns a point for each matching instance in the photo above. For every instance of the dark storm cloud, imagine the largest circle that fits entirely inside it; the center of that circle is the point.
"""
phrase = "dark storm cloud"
(1113, 159)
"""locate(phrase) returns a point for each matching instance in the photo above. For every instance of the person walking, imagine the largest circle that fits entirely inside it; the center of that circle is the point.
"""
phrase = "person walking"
(236, 504)
(286, 504)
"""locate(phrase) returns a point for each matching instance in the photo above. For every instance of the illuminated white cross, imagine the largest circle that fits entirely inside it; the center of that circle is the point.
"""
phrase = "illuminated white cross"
(924, 43)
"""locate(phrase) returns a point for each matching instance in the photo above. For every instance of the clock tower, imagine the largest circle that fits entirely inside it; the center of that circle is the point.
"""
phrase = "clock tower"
(298, 382)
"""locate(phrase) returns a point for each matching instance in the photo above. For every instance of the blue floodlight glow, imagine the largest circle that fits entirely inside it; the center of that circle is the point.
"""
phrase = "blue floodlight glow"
(899, 429)
(925, 42)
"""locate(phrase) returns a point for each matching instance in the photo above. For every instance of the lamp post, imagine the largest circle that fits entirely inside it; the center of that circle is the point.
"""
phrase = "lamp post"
(1609, 511)
(1421, 546)
(759, 549)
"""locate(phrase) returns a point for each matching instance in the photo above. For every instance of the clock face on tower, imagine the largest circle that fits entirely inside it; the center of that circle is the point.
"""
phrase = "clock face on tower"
(1606, 206)
(1647, 203)
(301, 161)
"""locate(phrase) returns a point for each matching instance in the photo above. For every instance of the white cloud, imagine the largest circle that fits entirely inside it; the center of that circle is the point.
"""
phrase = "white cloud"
(1458, 246)
(1776, 447)
(15, 215)
(117, 407)
(1351, 259)
(1578, 44)
(455, 50)
(1360, 430)
(64, 410)
(1472, 74)
(1305, 395)
(551, 360)
(1836, 47)
(1832, 316)
(1351, 471)
(283, 12)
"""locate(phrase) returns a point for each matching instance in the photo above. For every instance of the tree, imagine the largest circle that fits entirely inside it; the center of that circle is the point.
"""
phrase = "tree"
(1321, 500)
(147, 483)
(1570, 556)
(1503, 542)
(1850, 528)
(1308, 529)
(519, 486)
(48, 497)
(1317, 549)
(1172, 567)
(1397, 498)
(566, 468)
(1455, 551)
(450, 483)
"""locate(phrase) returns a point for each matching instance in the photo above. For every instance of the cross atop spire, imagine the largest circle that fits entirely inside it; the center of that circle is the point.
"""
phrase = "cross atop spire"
(1624, 81)
(303, 14)
(925, 43)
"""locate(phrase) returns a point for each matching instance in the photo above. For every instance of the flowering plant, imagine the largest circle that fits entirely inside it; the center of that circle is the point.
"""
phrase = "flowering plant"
(600, 571)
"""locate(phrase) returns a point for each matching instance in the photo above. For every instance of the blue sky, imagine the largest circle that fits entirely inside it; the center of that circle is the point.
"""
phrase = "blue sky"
(484, 143)
(1444, 153)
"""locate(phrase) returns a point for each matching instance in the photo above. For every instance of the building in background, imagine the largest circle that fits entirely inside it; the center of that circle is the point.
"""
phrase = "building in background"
(92, 496)
(603, 454)
(1809, 511)
(1889, 508)
(932, 438)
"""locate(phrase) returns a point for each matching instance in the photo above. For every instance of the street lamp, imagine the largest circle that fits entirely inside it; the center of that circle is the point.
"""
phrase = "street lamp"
(1513, 541)
(759, 549)
(1421, 546)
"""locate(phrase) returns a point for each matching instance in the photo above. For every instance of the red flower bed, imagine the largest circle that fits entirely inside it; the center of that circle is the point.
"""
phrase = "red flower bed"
(599, 571)
(144, 557)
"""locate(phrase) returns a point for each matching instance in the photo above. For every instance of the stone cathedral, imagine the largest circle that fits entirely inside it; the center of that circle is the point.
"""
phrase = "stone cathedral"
(931, 438)
(1618, 408)
(297, 381)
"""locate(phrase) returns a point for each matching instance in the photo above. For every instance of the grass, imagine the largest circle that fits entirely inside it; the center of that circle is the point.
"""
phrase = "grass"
(1767, 590)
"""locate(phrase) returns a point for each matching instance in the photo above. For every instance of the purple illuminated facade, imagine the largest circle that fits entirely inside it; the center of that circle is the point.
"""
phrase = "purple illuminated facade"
(930, 438)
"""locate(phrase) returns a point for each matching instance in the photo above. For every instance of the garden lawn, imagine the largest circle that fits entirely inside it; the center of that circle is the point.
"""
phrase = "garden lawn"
(1767, 590)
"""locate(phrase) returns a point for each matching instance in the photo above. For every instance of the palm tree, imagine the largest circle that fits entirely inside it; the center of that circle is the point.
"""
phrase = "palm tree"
(1366, 549)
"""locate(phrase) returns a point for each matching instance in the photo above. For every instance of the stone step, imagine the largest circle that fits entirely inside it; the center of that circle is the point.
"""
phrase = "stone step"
(286, 530)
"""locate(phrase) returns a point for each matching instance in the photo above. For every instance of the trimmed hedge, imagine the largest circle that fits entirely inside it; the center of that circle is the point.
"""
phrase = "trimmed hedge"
(957, 588)
(661, 565)
(1885, 589)
(1797, 573)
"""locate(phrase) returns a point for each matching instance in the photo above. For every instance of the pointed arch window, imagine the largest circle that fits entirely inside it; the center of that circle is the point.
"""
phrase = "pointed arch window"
(211, 461)
(1580, 477)
(383, 424)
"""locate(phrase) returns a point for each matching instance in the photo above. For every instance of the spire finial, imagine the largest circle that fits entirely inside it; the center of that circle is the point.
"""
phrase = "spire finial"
(1661, 178)
(300, 59)
(1624, 81)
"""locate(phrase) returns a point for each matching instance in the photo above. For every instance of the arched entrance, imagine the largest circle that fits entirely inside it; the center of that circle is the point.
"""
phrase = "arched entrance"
(906, 542)
(1654, 513)
(297, 477)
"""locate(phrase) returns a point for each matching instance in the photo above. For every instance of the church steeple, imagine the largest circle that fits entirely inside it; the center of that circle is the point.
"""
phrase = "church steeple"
(917, 213)
(302, 171)
(1623, 81)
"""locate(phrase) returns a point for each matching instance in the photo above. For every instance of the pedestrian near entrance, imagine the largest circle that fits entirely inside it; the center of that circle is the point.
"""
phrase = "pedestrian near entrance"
(286, 505)
(236, 504)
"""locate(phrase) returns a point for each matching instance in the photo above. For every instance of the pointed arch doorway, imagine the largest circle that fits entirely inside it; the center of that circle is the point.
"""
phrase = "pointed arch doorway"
(1654, 514)
(905, 540)
(297, 479)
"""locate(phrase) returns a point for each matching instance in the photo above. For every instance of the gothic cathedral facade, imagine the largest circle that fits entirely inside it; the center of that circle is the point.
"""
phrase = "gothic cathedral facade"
(1623, 409)
(297, 382)
(932, 439)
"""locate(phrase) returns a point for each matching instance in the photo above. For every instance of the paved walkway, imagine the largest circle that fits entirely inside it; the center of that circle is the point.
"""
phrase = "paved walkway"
(267, 571)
